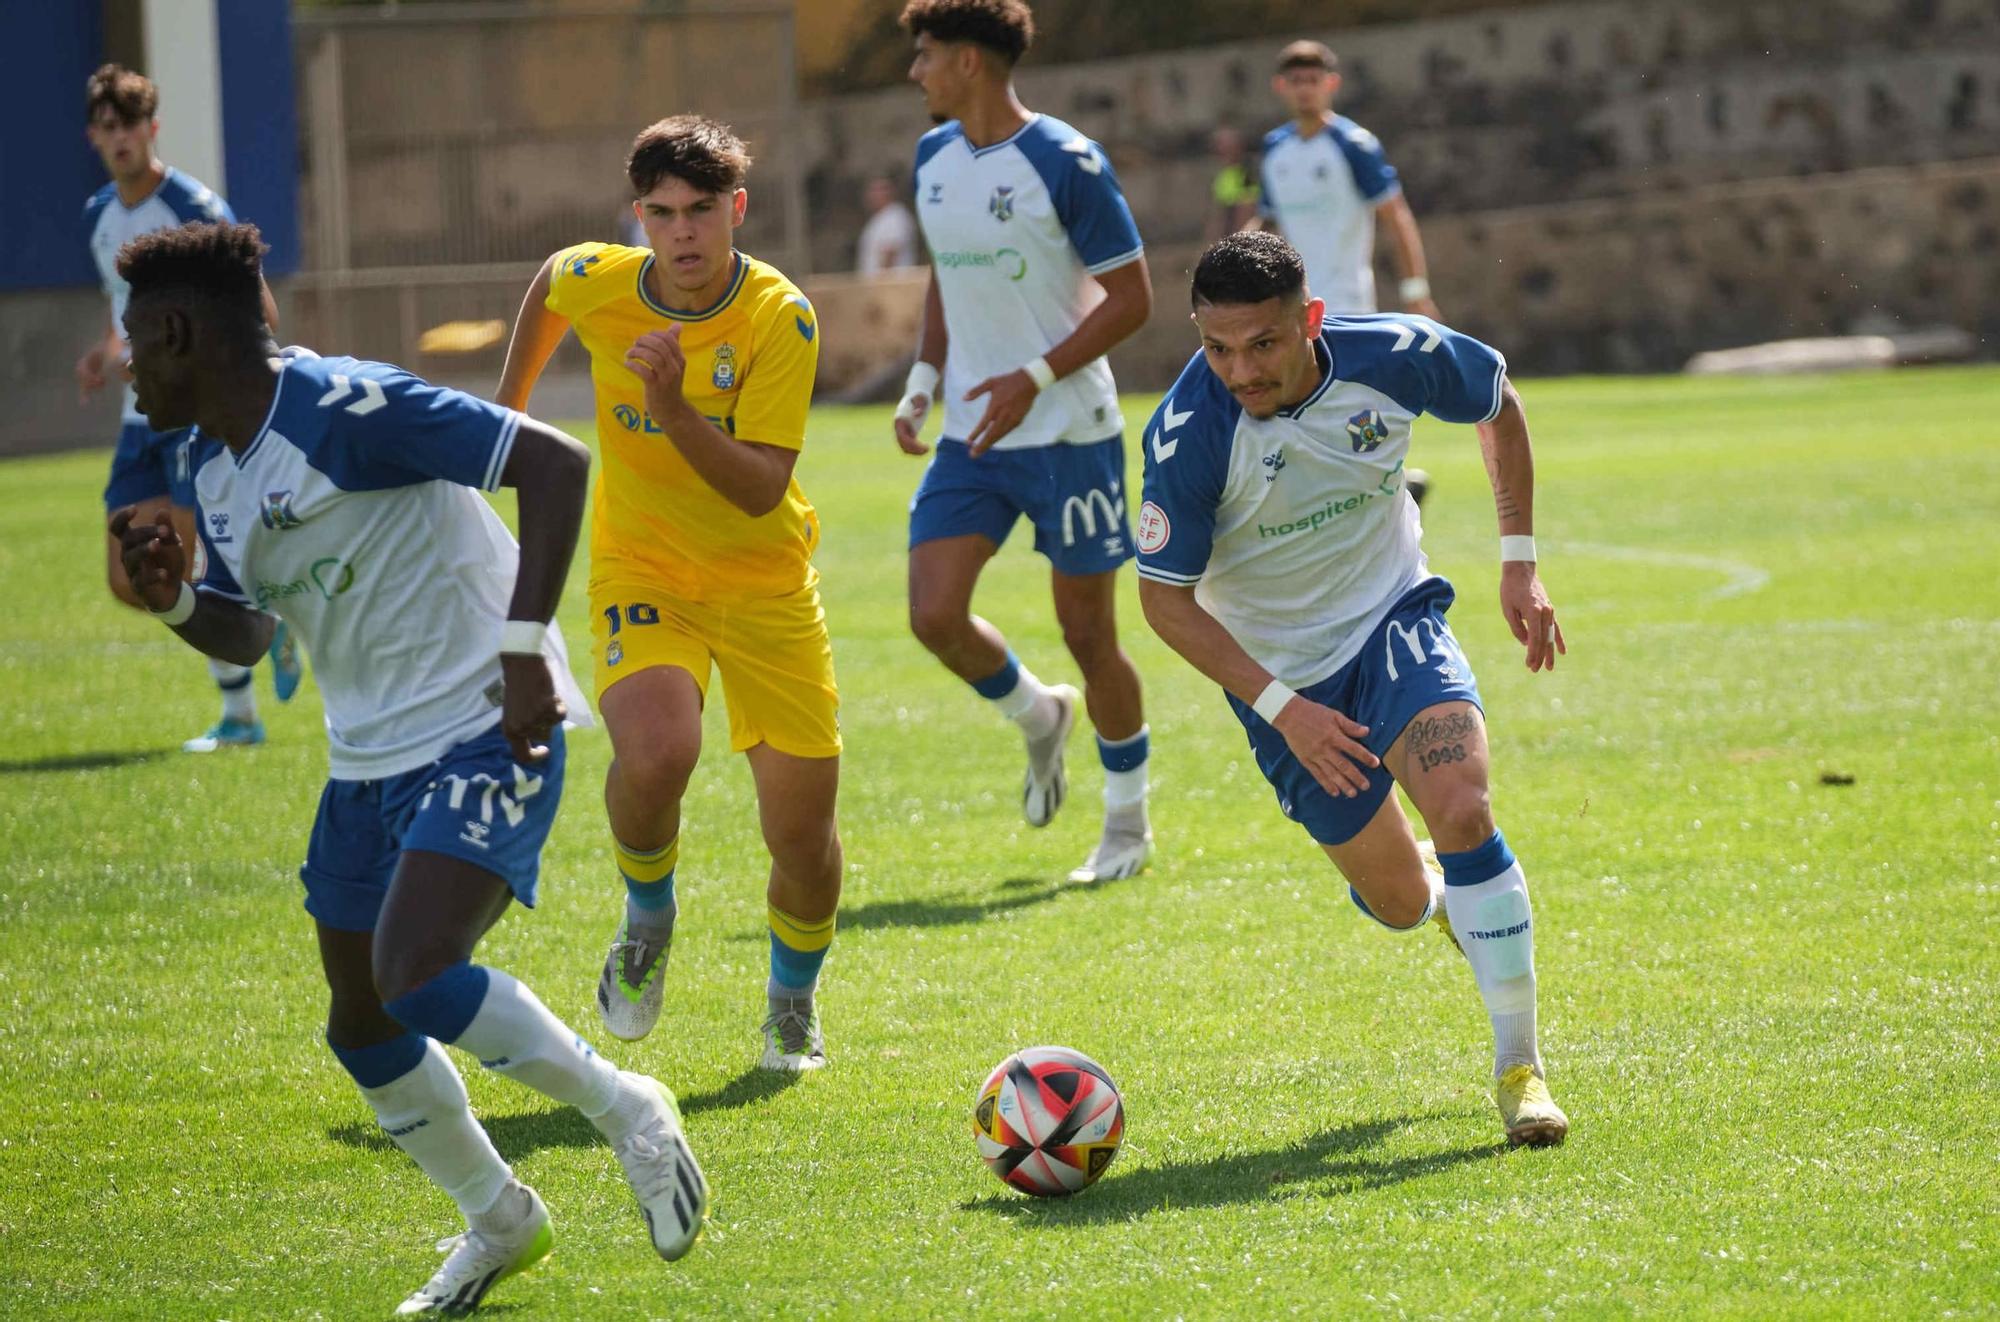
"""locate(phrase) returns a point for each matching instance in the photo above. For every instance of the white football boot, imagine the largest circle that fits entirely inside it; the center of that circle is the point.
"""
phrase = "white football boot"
(661, 1167)
(1046, 784)
(628, 990)
(1124, 849)
(478, 1259)
(793, 1043)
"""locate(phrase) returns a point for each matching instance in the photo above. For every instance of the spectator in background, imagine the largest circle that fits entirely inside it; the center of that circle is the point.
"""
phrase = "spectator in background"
(1233, 194)
(889, 239)
(1326, 186)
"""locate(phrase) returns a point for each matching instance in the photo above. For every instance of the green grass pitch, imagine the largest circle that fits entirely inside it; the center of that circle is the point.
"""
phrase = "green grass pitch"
(1767, 1001)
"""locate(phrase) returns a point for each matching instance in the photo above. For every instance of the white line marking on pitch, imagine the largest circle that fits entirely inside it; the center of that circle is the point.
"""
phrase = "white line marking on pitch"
(1742, 578)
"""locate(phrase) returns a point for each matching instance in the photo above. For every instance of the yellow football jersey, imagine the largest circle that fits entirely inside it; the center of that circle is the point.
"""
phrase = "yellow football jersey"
(751, 359)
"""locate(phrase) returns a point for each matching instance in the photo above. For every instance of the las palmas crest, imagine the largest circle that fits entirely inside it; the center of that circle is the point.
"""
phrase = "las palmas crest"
(724, 375)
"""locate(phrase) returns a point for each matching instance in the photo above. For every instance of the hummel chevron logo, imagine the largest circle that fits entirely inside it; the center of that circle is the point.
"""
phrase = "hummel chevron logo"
(1086, 155)
(371, 399)
(1163, 449)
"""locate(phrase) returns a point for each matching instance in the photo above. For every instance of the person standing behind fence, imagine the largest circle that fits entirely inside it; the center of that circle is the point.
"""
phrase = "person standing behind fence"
(1233, 191)
(889, 239)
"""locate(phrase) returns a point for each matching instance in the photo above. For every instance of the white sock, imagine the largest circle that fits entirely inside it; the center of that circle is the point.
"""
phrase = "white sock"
(1125, 791)
(514, 1034)
(239, 699)
(1495, 925)
(1031, 705)
(425, 1113)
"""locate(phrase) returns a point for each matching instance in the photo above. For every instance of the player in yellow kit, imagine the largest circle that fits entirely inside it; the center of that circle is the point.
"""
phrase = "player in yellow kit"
(701, 558)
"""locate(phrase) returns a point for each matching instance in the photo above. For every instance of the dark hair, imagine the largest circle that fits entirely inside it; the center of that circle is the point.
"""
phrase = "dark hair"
(1308, 55)
(693, 148)
(220, 262)
(131, 96)
(1005, 27)
(1248, 268)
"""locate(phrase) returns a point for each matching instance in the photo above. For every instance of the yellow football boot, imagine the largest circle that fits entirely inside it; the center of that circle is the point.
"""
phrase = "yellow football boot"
(1530, 1114)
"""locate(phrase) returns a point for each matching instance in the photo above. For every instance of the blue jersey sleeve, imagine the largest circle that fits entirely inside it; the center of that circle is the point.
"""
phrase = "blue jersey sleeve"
(1373, 174)
(1187, 444)
(1084, 189)
(1423, 365)
(192, 201)
(388, 428)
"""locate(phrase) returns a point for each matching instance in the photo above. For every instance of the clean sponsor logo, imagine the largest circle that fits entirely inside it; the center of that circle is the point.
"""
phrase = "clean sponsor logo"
(1087, 508)
(1316, 520)
(1154, 528)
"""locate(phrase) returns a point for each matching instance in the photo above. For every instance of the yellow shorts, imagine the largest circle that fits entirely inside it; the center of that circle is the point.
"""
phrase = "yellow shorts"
(773, 652)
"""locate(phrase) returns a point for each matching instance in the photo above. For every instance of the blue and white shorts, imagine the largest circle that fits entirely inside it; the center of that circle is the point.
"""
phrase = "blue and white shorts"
(1074, 495)
(146, 465)
(474, 803)
(1411, 661)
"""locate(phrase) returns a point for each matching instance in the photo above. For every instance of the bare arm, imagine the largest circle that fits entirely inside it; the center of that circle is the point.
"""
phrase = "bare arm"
(156, 563)
(1127, 302)
(551, 474)
(931, 344)
(750, 476)
(537, 332)
(1407, 246)
(1510, 468)
(1324, 740)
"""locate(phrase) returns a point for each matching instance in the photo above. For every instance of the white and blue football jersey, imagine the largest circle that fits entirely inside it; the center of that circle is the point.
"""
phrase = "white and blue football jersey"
(1016, 230)
(354, 516)
(110, 225)
(1295, 531)
(1322, 191)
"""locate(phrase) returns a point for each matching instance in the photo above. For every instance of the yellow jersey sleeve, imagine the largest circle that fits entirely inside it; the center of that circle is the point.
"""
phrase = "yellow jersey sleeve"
(777, 388)
(576, 280)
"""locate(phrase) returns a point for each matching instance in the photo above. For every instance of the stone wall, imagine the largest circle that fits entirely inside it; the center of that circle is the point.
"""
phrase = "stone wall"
(1527, 107)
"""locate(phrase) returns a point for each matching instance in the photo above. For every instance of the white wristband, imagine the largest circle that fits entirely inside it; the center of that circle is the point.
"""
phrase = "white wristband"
(181, 611)
(1272, 700)
(1040, 373)
(1413, 288)
(1517, 548)
(522, 637)
(922, 380)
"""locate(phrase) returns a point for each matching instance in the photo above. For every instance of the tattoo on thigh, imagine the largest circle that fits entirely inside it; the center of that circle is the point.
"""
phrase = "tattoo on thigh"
(1437, 741)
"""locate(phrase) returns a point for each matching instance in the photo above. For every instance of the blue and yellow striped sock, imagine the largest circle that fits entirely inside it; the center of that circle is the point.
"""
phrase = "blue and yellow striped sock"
(649, 881)
(798, 948)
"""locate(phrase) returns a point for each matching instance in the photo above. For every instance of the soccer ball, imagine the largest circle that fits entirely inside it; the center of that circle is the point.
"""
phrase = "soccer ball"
(1048, 1121)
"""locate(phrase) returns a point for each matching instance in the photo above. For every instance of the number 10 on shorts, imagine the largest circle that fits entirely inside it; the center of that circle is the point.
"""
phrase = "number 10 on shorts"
(639, 612)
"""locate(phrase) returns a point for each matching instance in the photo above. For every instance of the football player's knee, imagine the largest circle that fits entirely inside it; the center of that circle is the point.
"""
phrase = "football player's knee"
(937, 626)
(657, 774)
(1398, 906)
(1463, 811)
(804, 849)
(1092, 642)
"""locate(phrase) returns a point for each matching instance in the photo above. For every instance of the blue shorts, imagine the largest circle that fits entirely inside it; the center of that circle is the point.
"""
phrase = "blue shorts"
(1072, 494)
(149, 464)
(474, 803)
(1410, 662)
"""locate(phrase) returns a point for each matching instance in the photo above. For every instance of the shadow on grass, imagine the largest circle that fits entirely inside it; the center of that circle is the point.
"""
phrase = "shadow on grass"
(514, 1135)
(1019, 893)
(1326, 1165)
(81, 761)
(752, 1085)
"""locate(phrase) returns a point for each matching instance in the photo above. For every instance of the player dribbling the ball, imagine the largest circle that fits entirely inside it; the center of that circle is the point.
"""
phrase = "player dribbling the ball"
(1279, 555)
